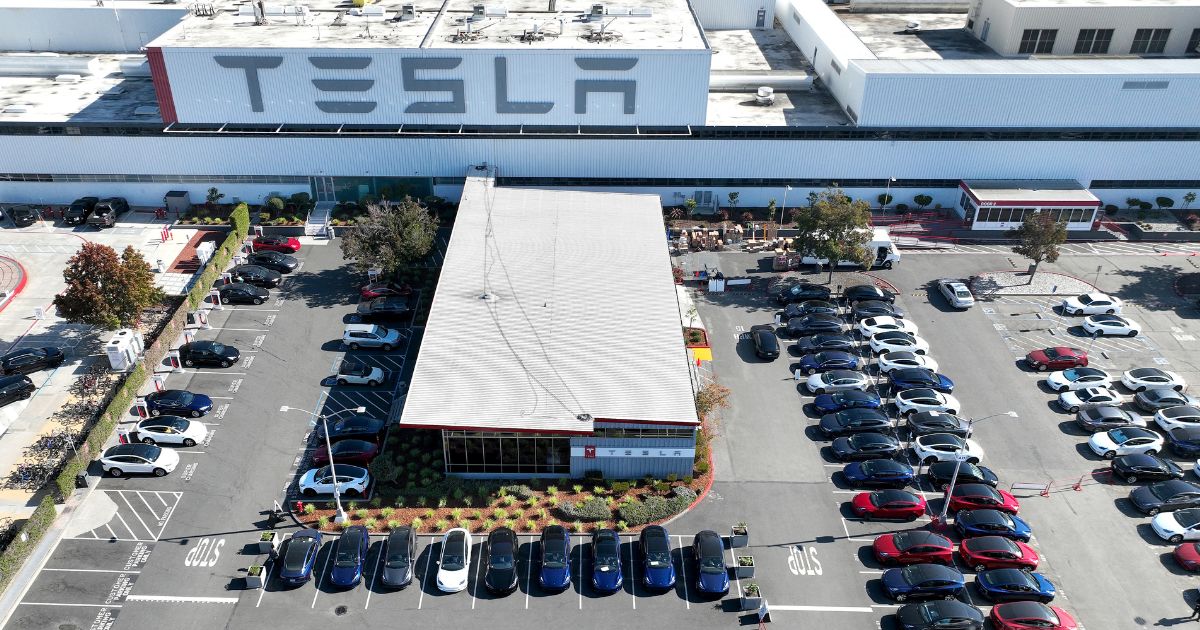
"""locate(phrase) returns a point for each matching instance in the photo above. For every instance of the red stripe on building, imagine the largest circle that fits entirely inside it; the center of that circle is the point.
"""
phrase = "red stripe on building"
(162, 85)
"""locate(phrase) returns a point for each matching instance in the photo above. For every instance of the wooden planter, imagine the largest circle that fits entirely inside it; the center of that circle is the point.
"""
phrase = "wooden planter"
(695, 337)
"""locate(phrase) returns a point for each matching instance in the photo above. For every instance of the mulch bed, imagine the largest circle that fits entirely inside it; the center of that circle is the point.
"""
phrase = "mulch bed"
(187, 261)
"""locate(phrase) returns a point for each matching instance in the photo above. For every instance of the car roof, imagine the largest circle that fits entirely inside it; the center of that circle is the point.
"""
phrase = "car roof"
(1140, 459)
(984, 516)
(888, 464)
(843, 374)
(501, 534)
(711, 543)
(990, 543)
(135, 448)
(555, 533)
(895, 495)
(975, 488)
(852, 394)
(1025, 610)
(888, 335)
(1146, 371)
(917, 392)
(400, 535)
(921, 537)
(870, 436)
(931, 571)
(912, 372)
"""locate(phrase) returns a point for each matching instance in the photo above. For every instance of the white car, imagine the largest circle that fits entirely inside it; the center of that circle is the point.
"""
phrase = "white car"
(1178, 526)
(871, 326)
(352, 481)
(1087, 398)
(355, 373)
(956, 293)
(1125, 441)
(898, 341)
(454, 565)
(900, 360)
(911, 401)
(1141, 379)
(139, 459)
(1111, 325)
(1182, 416)
(942, 447)
(170, 430)
(1077, 378)
(370, 336)
(837, 381)
(1091, 304)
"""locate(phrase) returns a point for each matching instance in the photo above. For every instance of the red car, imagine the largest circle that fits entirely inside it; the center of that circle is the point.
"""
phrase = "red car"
(997, 552)
(383, 289)
(1061, 358)
(913, 547)
(1031, 616)
(281, 244)
(888, 504)
(1188, 555)
(974, 496)
(356, 452)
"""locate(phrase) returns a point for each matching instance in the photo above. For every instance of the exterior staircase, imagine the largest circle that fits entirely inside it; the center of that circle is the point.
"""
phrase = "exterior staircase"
(318, 219)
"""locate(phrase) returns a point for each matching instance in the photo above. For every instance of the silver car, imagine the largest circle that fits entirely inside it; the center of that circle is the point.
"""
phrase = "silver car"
(956, 293)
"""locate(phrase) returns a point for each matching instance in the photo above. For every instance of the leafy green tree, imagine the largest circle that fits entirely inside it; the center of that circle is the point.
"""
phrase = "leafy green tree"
(213, 197)
(835, 228)
(922, 201)
(1039, 236)
(106, 290)
(884, 199)
(390, 237)
(1188, 199)
(240, 219)
(1165, 202)
(734, 198)
(690, 206)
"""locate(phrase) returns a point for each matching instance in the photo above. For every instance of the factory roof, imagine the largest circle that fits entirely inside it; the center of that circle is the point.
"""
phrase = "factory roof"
(1006, 192)
(79, 88)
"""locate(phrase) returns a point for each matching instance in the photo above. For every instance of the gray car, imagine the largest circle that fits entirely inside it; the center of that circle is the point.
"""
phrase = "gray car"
(400, 553)
(1107, 417)
(1162, 397)
(956, 293)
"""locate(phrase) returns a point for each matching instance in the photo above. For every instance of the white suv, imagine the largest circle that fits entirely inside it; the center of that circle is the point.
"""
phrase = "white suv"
(370, 336)
(355, 373)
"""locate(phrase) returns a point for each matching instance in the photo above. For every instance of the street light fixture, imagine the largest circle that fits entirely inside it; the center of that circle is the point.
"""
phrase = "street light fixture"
(340, 517)
(783, 212)
(959, 458)
(887, 194)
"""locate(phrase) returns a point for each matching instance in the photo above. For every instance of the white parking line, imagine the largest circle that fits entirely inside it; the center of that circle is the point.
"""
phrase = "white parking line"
(110, 531)
(374, 576)
(152, 512)
(528, 571)
(425, 576)
(160, 499)
(683, 571)
(77, 605)
(266, 577)
(180, 599)
(862, 609)
(479, 568)
(632, 576)
(579, 575)
(90, 570)
(243, 329)
(135, 515)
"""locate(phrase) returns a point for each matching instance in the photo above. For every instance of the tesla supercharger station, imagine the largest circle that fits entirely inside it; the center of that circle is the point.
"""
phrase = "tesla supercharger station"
(140, 407)
(188, 337)
(160, 382)
(202, 319)
(258, 231)
(373, 274)
(239, 259)
(226, 277)
(176, 363)
(214, 296)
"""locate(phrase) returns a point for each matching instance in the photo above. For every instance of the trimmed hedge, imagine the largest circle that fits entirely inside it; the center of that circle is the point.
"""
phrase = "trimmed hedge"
(593, 509)
(655, 508)
(35, 528)
(217, 264)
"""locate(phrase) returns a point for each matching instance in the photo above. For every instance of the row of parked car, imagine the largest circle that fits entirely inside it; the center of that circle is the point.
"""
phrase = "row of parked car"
(95, 211)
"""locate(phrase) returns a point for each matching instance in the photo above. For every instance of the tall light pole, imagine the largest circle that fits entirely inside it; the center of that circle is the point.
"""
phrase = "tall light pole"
(887, 194)
(783, 212)
(340, 516)
(959, 458)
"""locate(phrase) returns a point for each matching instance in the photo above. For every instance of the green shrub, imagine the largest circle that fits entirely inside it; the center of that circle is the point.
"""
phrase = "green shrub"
(661, 486)
(521, 491)
(276, 203)
(655, 508)
(488, 524)
(263, 217)
(309, 508)
(593, 509)
(500, 514)
(416, 524)
(477, 515)
(393, 524)
(442, 525)
(456, 513)
(442, 502)
(620, 487)
(531, 502)
(323, 522)
(508, 500)
(578, 488)
(551, 491)
(687, 481)
(370, 523)
(361, 513)
(34, 529)
(576, 526)
(701, 467)
(376, 502)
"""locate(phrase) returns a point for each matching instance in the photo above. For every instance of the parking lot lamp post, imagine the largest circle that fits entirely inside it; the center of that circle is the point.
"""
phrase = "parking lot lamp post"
(959, 458)
(340, 516)
(783, 211)
(887, 195)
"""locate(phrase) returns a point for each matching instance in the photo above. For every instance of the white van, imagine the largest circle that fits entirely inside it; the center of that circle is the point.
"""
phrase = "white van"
(883, 252)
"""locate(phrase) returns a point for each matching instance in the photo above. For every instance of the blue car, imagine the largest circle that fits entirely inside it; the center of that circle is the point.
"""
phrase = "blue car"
(299, 556)
(878, 473)
(922, 581)
(971, 523)
(849, 399)
(349, 556)
(917, 378)
(555, 571)
(178, 402)
(1184, 441)
(658, 570)
(606, 561)
(1012, 585)
(828, 360)
(709, 550)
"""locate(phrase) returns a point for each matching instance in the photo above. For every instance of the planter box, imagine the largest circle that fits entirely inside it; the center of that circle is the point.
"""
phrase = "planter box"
(738, 537)
(741, 571)
(255, 576)
(702, 343)
(751, 602)
(282, 230)
(271, 544)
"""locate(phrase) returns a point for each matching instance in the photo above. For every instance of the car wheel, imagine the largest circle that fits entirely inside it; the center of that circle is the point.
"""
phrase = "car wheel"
(256, 301)
(1062, 389)
(818, 391)
(116, 472)
(189, 362)
(973, 460)
(887, 264)
(901, 598)
(224, 300)
(810, 371)
(189, 442)
(1152, 452)
(309, 492)
(387, 347)
(372, 383)
(195, 413)
(1041, 368)
(1142, 389)
(341, 381)
(354, 346)
(1178, 388)
(929, 460)
(159, 472)
(1110, 312)
(155, 412)
(1074, 410)
(1131, 479)
(1132, 333)
(979, 568)
(352, 492)
(1110, 455)
(1175, 540)
(147, 440)
(225, 364)
(1152, 511)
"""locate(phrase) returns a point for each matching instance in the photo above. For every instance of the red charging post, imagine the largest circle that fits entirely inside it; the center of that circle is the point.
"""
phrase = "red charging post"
(140, 406)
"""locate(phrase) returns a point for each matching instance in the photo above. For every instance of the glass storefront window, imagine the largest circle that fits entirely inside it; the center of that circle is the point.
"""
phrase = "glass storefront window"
(506, 453)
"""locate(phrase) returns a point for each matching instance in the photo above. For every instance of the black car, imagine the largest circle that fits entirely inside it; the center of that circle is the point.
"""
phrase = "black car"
(79, 210)
(1105, 418)
(939, 474)
(786, 293)
(23, 216)
(274, 261)
(766, 344)
(242, 293)
(1137, 468)
(854, 421)
(808, 307)
(30, 360)
(914, 378)
(874, 308)
(943, 614)
(500, 576)
(257, 276)
(353, 428)
(106, 212)
(864, 292)
(1166, 496)
(815, 323)
(208, 353)
(14, 388)
(384, 309)
(928, 422)
(862, 446)
(825, 341)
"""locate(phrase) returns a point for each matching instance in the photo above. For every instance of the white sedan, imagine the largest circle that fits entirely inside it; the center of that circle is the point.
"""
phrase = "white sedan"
(170, 430)
(898, 341)
(911, 401)
(1092, 304)
(900, 360)
(1111, 325)
(139, 458)
(956, 293)
(942, 447)
(352, 481)
(1087, 398)
(871, 326)
(1077, 378)
(455, 564)
(1182, 416)
(1178, 526)
(1141, 379)
(837, 381)
(1125, 441)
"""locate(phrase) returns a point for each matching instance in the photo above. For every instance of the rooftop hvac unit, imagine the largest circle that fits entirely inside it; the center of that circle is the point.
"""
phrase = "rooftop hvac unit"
(765, 96)
(374, 11)
(16, 109)
(912, 27)
(597, 12)
(641, 12)
(145, 110)
(495, 11)
(408, 12)
(477, 12)
(67, 78)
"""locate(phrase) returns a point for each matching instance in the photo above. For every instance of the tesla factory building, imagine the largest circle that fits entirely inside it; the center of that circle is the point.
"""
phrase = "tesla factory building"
(682, 99)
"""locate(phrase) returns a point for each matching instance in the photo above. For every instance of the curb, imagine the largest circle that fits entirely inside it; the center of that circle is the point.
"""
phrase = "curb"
(1049, 273)
(712, 476)
(20, 284)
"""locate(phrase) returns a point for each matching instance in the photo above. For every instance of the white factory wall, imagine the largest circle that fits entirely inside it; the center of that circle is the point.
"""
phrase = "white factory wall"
(137, 194)
(84, 28)
(761, 197)
(672, 87)
(830, 46)
(721, 15)
(1008, 22)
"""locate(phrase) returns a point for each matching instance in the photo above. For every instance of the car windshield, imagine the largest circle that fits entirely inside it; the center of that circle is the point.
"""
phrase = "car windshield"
(606, 554)
(184, 398)
(1071, 374)
(501, 556)
(397, 559)
(1167, 490)
(1052, 353)
(1120, 436)
(1188, 518)
(453, 562)
(381, 331)
(151, 453)
(962, 293)
(179, 424)
(293, 558)
(1085, 299)
(218, 348)
(658, 559)
(555, 560)
(347, 555)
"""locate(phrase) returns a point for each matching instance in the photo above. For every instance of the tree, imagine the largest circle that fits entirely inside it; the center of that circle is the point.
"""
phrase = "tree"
(884, 199)
(835, 228)
(213, 197)
(1165, 202)
(922, 201)
(1040, 235)
(105, 290)
(690, 206)
(1188, 199)
(733, 199)
(390, 237)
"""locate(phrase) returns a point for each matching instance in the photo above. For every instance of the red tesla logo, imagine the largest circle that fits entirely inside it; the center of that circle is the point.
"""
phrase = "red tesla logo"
(589, 452)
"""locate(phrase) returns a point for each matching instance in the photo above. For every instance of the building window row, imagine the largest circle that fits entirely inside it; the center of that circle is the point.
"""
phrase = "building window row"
(1017, 215)
(1096, 41)
(1150, 41)
(500, 453)
(647, 432)
(1159, 184)
(1093, 41)
(1037, 41)
(153, 179)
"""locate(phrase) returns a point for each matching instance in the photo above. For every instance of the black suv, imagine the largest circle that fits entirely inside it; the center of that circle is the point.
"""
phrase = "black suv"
(23, 216)
(78, 213)
(106, 212)
(383, 309)
(14, 388)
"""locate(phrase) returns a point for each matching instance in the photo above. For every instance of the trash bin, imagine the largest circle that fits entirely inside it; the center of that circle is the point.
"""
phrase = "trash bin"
(81, 480)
